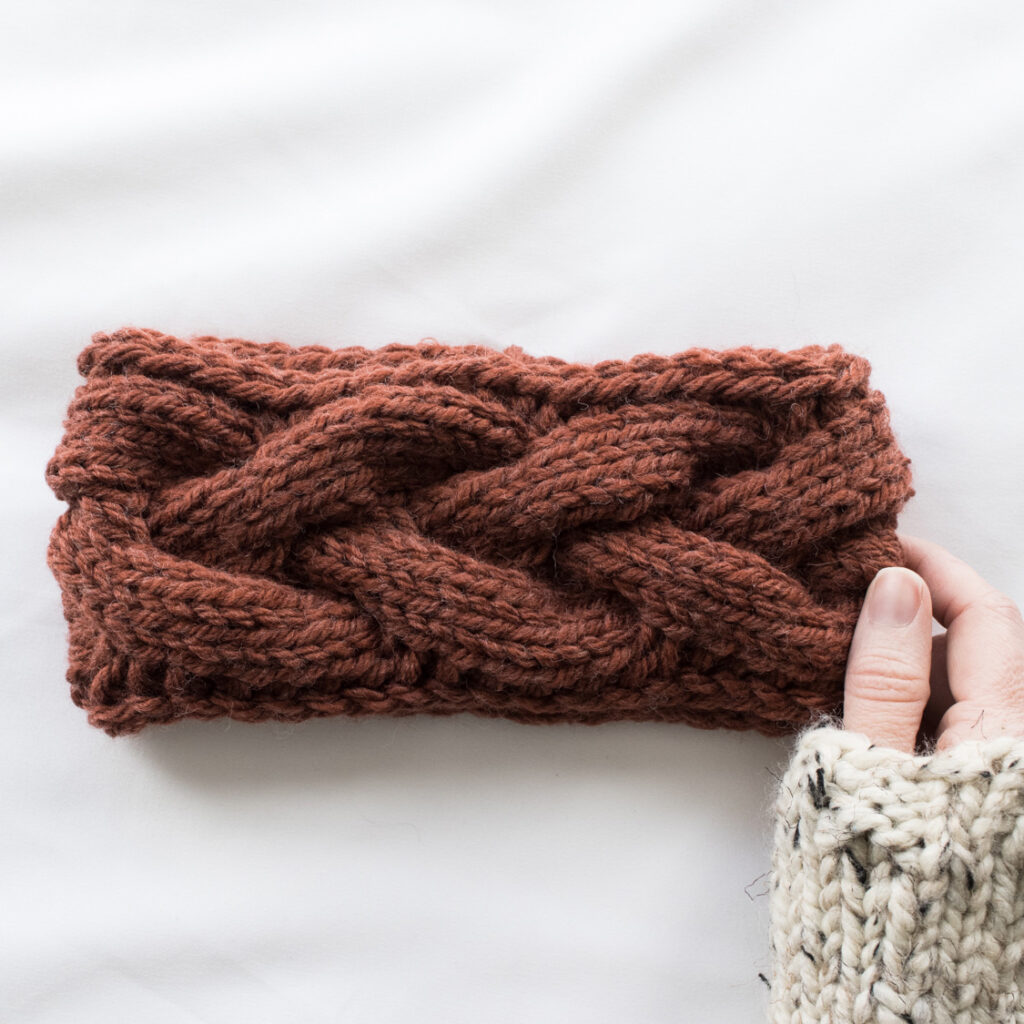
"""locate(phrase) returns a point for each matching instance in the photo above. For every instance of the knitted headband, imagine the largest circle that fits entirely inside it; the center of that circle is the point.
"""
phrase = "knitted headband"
(268, 532)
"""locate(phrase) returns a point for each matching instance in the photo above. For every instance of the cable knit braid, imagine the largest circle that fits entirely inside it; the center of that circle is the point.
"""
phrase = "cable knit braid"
(263, 531)
(898, 883)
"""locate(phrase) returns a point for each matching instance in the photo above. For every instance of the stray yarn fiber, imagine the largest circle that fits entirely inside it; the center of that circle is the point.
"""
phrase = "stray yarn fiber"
(268, 532)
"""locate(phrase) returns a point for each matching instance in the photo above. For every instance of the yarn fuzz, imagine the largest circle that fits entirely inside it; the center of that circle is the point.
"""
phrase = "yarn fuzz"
(269, 532)
(897, 890)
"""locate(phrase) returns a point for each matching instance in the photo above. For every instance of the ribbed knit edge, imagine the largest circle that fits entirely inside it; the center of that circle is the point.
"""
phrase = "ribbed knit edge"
(897, 883)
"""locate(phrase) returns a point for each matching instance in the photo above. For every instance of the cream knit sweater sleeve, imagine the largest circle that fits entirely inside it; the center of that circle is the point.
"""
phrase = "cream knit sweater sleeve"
(897, 883)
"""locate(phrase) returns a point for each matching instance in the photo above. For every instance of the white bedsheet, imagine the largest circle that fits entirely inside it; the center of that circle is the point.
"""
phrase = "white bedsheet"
(581, 179)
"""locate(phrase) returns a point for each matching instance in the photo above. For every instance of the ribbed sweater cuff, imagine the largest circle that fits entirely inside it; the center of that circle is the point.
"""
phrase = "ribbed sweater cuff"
(897, 886)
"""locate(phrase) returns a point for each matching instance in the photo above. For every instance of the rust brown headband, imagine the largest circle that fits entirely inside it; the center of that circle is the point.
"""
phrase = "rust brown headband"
(268, 532)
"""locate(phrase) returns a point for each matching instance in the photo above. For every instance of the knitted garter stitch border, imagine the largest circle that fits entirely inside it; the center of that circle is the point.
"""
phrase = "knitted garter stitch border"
(268, 532)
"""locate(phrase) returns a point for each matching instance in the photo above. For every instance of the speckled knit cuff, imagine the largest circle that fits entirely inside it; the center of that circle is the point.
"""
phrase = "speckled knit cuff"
(897, 887)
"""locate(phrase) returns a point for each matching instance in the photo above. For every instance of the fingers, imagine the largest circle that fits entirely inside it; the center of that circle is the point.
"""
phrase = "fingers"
(941, 698)
(889, 663)
(967, 683)
(984, 645)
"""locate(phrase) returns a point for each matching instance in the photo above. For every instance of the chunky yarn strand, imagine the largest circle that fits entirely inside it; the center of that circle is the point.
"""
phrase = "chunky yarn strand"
(268, 532)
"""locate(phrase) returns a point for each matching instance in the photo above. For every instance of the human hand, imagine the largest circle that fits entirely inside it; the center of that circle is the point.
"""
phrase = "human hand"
(904, 686)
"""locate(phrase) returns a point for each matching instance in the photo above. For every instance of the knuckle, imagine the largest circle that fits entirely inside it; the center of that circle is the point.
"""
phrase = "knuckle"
(1001, 605)
(1011, 678)
(957, 716)
(966, 720)
(886, 678)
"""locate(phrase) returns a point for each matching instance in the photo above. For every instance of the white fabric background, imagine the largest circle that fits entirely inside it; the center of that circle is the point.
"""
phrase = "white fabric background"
(582, 179)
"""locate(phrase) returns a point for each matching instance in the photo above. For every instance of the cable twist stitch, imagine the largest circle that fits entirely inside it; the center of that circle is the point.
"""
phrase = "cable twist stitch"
(262, 531)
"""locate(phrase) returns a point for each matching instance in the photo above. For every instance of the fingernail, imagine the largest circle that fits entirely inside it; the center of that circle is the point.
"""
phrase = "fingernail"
(893, 597)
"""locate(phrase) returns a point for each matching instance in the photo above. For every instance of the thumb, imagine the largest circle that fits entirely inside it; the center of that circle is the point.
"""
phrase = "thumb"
(889, 663)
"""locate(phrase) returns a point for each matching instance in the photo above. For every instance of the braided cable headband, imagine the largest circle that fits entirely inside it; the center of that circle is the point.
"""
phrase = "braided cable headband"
(270, 532)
